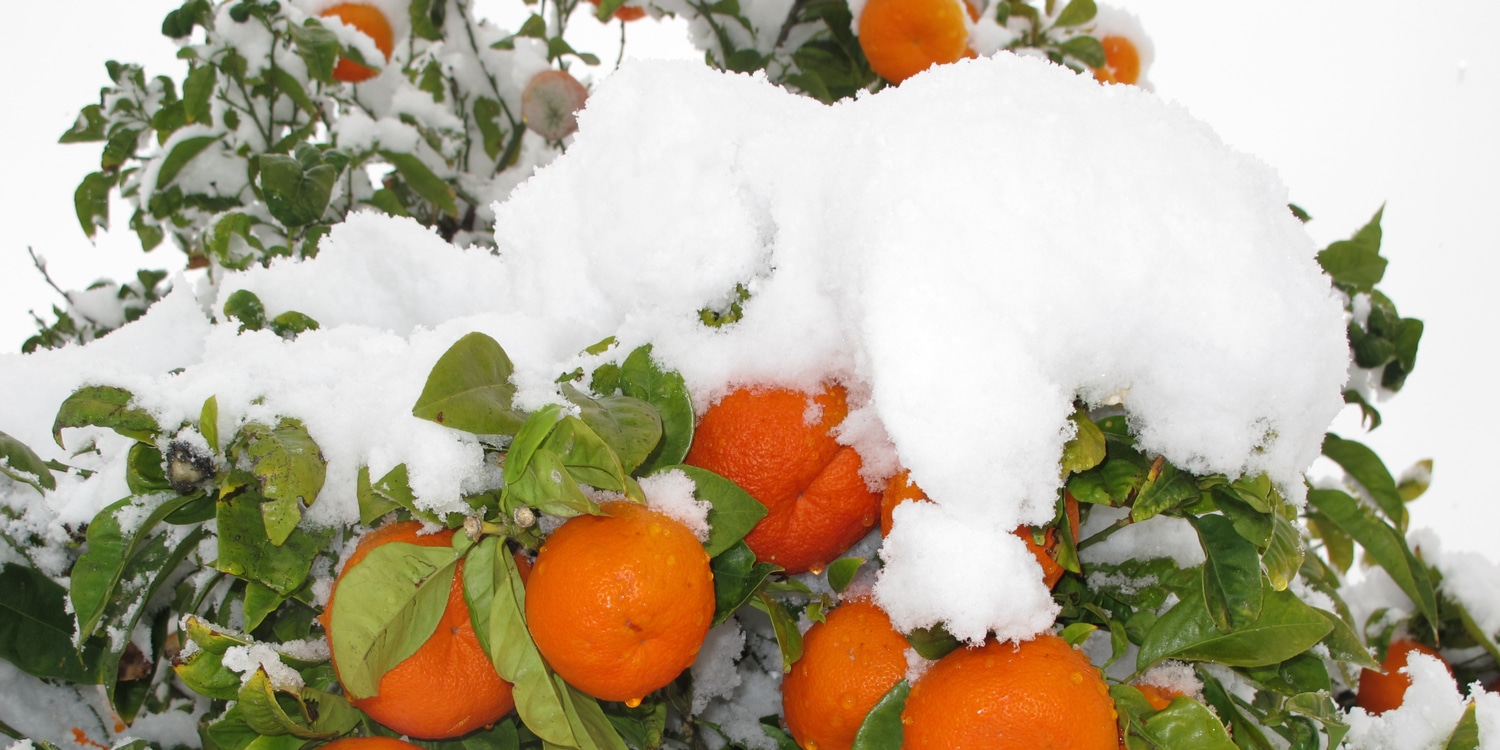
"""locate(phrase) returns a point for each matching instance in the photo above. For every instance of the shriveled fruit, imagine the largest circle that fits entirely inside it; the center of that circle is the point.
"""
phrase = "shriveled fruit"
(1122, 61)
(848, 662)
(448, 687)
(902, 38)
(778, 445)
(370, 743)
(1041, 694)
(1380, 692)
(550, 103)
(619, 604)
(371, 22)
(900, 489)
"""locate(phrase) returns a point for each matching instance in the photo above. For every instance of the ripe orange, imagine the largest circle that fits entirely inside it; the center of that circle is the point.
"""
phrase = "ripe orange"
(619, 604)
(777, 445)
(902, 38)
(372, 23)
(626, 13)
(449, 686)
(1040, 695)
(369, 743)
(848, 662)
(900, 489)
(1379, 692)
(1122, 61)
(1159, 697)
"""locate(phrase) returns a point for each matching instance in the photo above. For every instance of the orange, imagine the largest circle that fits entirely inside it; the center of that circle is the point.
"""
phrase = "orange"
(900, 489)
(902, 38)
(848, 662)
(449, 686)
(778, 445)
(1159, 697)
(372, 23)
(1379, 692)
(1122, 61)
(626, 13)
(1040, 695)
(619, 604)
(369, 743)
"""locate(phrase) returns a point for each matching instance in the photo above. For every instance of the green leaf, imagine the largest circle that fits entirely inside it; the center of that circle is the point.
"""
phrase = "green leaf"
(295, 196)
(932, 643)
(629, 426)
(1170, 489)
(36, 630)
(197, 93)
(1415, 481)
(737, 576)
(1283, 558)
(469, 389)
(732, 511)
(260, 601)
(841, 572)
(640, 377)
(1354, 265)
(268, 716)
(243, 305)
(88, 127)
(203, 670)
(1077, 13)
(881, 729)
(246, 551)
(487, 117)
(372, 505)
(290, 323)
(1369, 415)
(208, 423)
(318, 47)
(422, 179)
(1085, 49)
(1344, 645)
(289, 85)
(1086, 449)
(588, 458)
(111, 552)
(1231, 574)
(1361, 464)
(1286, 627)
(220, 241)
(386, 607)
(1255, 526)
(119, 149)
(291, 471)
(1186, 723)
(22, 465)
(179, 156)
(145, 470)
(91, 202)
(427, 17)
(1465, 735)
(1383, 543)
(788, 636)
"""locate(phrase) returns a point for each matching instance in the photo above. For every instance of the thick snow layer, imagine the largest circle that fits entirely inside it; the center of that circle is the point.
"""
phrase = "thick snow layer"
(969, 253)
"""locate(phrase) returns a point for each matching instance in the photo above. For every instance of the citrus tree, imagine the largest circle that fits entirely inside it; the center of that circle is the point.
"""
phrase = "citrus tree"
(569, 598)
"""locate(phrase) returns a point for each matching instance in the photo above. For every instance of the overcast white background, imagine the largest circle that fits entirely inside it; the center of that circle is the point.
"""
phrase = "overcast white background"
(1355, 102)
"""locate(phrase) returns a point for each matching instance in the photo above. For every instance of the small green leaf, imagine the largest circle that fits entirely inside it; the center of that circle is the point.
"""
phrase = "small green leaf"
(119, 149)
(841, 572)
(208, 423)
(1170, 489)
(111, 551)
(91, 202)
(22, 465)
(1186, 723)
(290, 323)
(881, 729)
(932, 643)
(104, 407)
(630, 426)
(291, 471)
(88, 127)
(1415, 481)
(1383, 543)
(264, 713)
(243, 305)
(1286, 627)
(288, 84)
(1283, 557)
(1085, 49)
(1465, 735)
(788, 637)
(1231, 574)
(1354, 265)
(179, 156)
(424, 181)
(1086, 448)
(640, 377)
(197, 93)
(487, 114)
(1365, 467)
(246, 551)
(386, 608)
(318, 47)
(295, 196)
(732, 511)
(469, 389)
(1344, 645)
(1077, 13)
(737, 576)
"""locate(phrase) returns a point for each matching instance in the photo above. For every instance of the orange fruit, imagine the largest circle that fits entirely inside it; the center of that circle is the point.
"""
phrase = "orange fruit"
(902, 38)
(625, 13)
(369, 743)
(900, 489)
(619, 604)
(372, 23)
(550, 104)
(1159, 697)
(1122, 61)
(1040, 695)
(778, 445)
(449, 686)
(848, 662)
(1380, 692)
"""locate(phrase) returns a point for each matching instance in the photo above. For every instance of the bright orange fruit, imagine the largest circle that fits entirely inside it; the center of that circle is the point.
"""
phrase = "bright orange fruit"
(619, 604)
(369, 743)
(1159, 697)
(372, 23)
(1379, 692)
(778, 445)
(449, 686)
(848, 662)
(626, 13)
(902, 38)
(1122, 61)
(1040, 695)
(900, 489)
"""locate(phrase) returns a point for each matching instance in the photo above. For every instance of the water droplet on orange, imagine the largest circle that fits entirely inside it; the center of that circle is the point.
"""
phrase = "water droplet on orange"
(633, 702)
(815, 569)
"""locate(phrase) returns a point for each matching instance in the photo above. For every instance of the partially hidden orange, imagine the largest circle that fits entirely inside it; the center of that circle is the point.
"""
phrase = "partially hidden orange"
(371, 22)
(1384, 690)
(620, 604)
(1039, 695)
(448, 687)
(625, 13)
(848, 662)
(369, 743)
(1122, 61)
(778, 444)
(902, 38)
(900, 489)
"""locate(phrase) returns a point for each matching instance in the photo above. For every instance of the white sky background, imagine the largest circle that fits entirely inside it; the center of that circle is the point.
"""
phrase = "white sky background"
(1354, 102)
